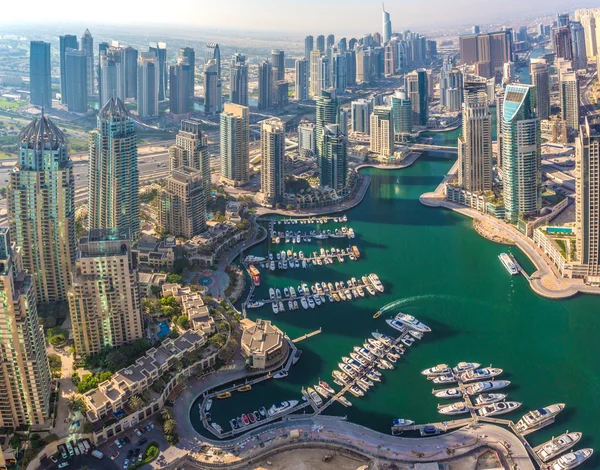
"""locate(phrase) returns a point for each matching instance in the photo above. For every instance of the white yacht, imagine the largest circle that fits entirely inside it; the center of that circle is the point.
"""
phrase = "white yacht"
(396, 325)
(571, 460)
(557, 445)
(275, 306)
(304, 302)
(445, 379)
(481, 387)
(465, 366)
(279, 408)
(311, 302)
(278, 293)
(454, 409)
(480, 374)
(321, 391)
(412, 323)
(251, 259)
(508, 264)
(489, 398)
(449, 393)
(272, 293)
(539, 418)
(292, 292)
(440, 369)
(255, 304)
(499, 408)
(376, 282)
(314, 396)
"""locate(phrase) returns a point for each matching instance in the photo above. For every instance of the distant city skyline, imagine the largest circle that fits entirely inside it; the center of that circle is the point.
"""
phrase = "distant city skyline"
(355, 18)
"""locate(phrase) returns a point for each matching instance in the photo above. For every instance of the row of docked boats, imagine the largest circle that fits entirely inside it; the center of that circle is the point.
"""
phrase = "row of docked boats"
(291, 260)
(312, 220)
(323, 390)
(551, 449)
(261, 414)
(307, 237)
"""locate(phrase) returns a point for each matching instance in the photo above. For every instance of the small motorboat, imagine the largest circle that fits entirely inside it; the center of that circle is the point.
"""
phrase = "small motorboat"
(209, 403)
(223, 395)
(251, 417)
(245, 419)
(281, 375)
(263, 412)
(245, 388)
(234, 424)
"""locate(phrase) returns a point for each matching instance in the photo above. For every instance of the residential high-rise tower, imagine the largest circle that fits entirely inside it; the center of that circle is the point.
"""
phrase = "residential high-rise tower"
(272, 144)
(238, 80)
(67, 41)
(39, 74)
(301, 85)
(334, 165)
(160, 50)
(148, 83)
(235, 141)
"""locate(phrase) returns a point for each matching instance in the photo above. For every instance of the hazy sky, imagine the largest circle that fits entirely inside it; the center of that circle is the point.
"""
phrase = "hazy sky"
(296, 16)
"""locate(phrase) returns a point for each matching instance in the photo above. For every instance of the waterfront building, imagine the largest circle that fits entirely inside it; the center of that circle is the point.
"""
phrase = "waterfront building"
(308, 46)
(569, 98)
(76, 80)
(67, 41)
(402, 110)
(320, 43)
(235, 144)
(361, 111)
(327, 113)
(418, 94)
(315, 57)
(307, 139)
(278, 63)
(451, 84)
(25, 378)
(263, 344)
(382, 131)
(131, 72)
(540, 78)
(41, 208)
(160, 51)
(238, 80)
(191, 150)
(301, 80)
(113, 175)
(521, 153)
(111, 74)
(182, 203)
(587, 213)
(87, 45)
(387, 26)
(187, 56)
(272, 143)
(212, 88)
(333, 169)
(179, 92)
(148, 83)
(475, 144)
(265, 85)
(39, 74)
(104, 297)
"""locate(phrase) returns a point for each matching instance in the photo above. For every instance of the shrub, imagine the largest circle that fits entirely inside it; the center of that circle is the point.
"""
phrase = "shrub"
(150, 453)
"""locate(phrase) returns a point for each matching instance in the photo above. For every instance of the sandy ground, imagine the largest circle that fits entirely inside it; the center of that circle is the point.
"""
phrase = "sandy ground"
(309, 459)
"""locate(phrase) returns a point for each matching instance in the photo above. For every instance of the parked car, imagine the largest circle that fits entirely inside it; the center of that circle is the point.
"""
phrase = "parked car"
(115, 455)
(54, 458)
(118, 443)
(138, 432)
(63, 464)
(125, 464)
(142, 441)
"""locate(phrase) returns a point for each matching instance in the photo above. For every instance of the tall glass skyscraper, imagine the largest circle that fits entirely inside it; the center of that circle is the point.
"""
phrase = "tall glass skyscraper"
(327, 113)
(160, 50)
(521, 153)
(76, 80)
(113, 175)
(41, 208)
(235, 141)
(39, 74)
(187, 55)
(387, 26)
(87, 45)
(334, 164)
(265, 85)
(66, 42)
(401, 107)
(308, 46)
(272, 143)
(238, 80)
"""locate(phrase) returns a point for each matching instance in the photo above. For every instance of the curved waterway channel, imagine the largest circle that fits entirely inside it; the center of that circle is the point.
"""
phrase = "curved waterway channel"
(451, 278)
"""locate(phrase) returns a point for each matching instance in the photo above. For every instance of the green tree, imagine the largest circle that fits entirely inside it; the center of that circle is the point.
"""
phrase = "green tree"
(76, 404)
(55, 362)
(116, 360)
(166, 414)
(174, 278)
(183, 322)
(170, 427)
(136, 403)
(15, 441)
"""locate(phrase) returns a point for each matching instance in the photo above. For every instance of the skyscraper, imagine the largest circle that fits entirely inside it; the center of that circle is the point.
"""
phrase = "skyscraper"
(87, 45)
(382, 131)
(148, 83)
(475, 143)
(272, 144)
(278, 63)
(324, 75)
(579, 47)
(490, 51)
(131, 72)
(76, 82)
(160, 50)
(308, 46)
(402, 111)
(238, 80)
(191, 150)
(540, 78)
(235, 141)
(361, 110)
(187, 55)
(113, 175)
(212, 88)
(214, 52)
(587, 214)
(301, 80)
(568, 86)
(25, 378)
(563, 42)
(104, 296)
(315, 56)
(334, 165)
(418, 95)
(521, 153)
(307, 139)
(39, 74)
(41, 208)
(339, 81)
(330, 41)
(281, 94)
(320, 43)
(344, 121)
(179, 93)
(327, 113)
(182, 203)
(265, 85)
(66, 42)
(387, 26)
(112, 74)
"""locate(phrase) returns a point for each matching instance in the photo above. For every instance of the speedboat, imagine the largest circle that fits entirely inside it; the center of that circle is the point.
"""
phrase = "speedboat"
(217, 428)
(391, 357)
(370, 290)
(376, 282)
(314, 396)
(255, 304)
(448, 393)
(454, 409)
(539, 418)
(412, 323)
(480, 374)
(346, 369)
(415, 334)
(263, 412)
(234, 424)
(317, 300)
(292, 292)
(465, 366)
(440, 369)
(240, 423)
(375, 343)
(209, 403)
(286, 292)
(278, 293)
(325, 386)
(344, 401)
(300, 291)
(373, 376)
(407, 341)
(364, 353)
(385, 364)
(272, 293)
(385, 339)
(223, 395)
(290, 305)
(311, 302)
(295, 305)
(481, 387)
(489, 398)
(305, 289)
(245, 419)
(557, 445)
(445, 379)
(251, 259)
(358, 358)
(281, 309)
(304, 302)
(499, 408)
(571, 460)
(257, 416)
(275, 306)
(397, 325)
(341, 376)
(251, 417)
(281, 375)
(365, 381)
(401, 423)
(272, 266)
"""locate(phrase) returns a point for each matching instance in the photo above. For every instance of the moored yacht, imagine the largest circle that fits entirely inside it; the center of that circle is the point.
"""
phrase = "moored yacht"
(314, 396)
(449, 393)
(444, 379)
(279, 408)
(480, 374)
(488, 398)
(396, 325)
(481, 387)
(440, 369)
(571, 460)
(454, 409)
(539, 418)
(465, 366)
(412, 323)
(499, 408)
(557, 445)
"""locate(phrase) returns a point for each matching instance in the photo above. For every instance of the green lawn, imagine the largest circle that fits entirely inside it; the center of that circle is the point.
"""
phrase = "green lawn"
(4, 155)
(10, 105)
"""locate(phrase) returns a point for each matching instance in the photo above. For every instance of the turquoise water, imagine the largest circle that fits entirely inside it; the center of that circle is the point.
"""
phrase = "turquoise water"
(451, 278)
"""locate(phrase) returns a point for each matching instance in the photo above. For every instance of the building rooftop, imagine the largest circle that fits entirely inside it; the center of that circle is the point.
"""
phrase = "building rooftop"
(42, 134)
(114, 109)
(261, 337)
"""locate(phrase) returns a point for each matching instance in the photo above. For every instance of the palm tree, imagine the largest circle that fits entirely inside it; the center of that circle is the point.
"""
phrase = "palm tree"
(166, 414)
(136, 402)
(170, 426)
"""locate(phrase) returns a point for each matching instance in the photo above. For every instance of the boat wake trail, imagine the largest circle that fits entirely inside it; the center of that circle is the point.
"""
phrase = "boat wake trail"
(408, 300)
